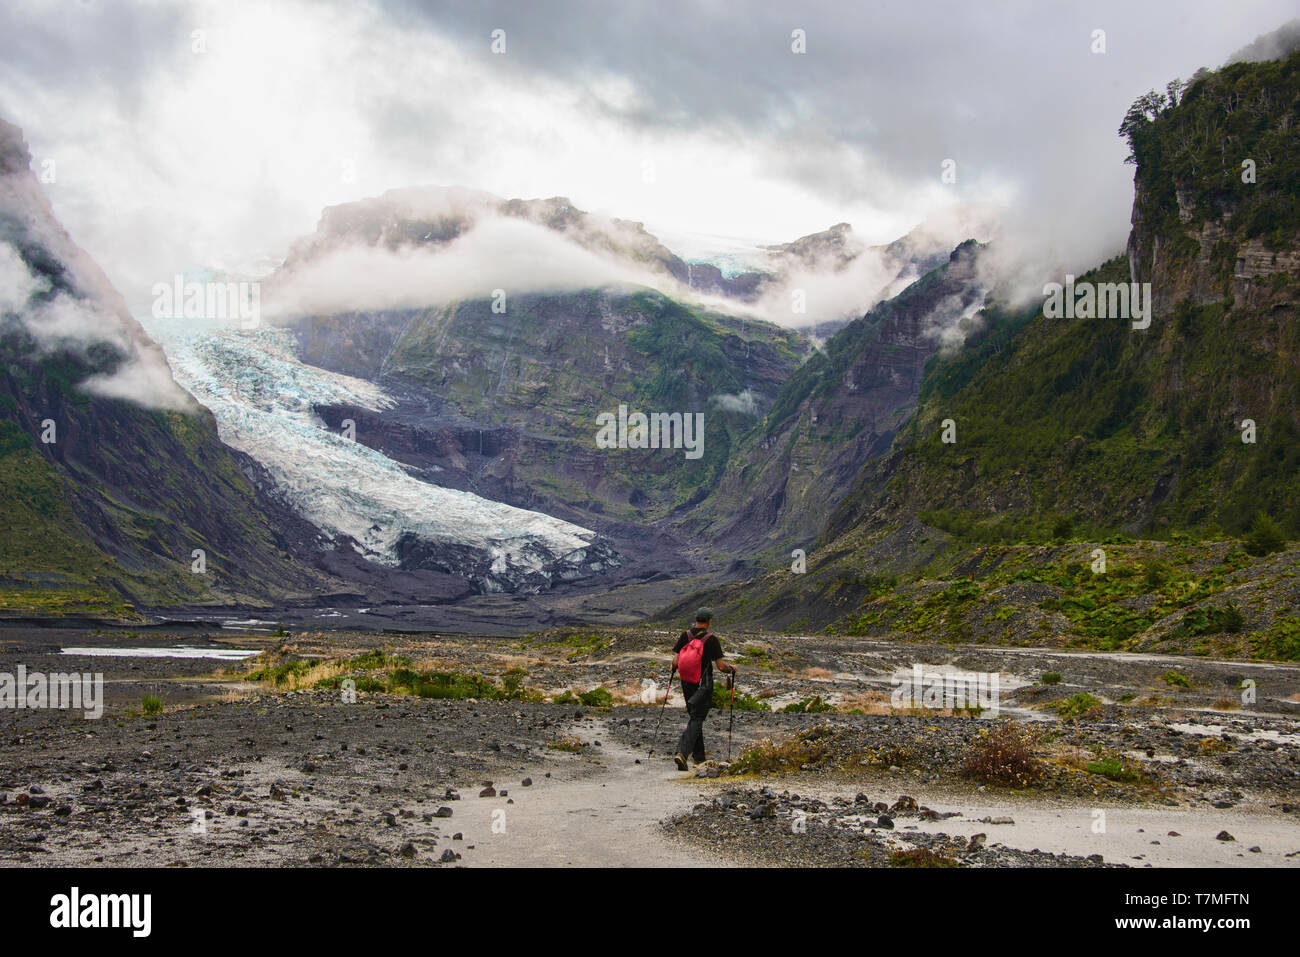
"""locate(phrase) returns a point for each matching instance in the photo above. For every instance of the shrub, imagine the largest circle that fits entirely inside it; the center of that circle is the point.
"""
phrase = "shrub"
(1113, 767)
(442, 684)
(1155, 574)
(151, 704)
(743, 702)
(1076, 706)
(283, 672)
(597, 697)
(1051, 678)
(1211, 621)
(512, 682)
(1002, 755)
(813, 705)
(403, 678)
(1281, 641)
(1264, 537)
(1174, 678)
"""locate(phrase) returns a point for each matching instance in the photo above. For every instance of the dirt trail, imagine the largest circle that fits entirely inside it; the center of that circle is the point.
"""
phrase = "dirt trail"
(609, 819)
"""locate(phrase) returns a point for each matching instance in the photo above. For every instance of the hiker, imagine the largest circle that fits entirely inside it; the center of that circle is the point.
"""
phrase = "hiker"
(695, 654)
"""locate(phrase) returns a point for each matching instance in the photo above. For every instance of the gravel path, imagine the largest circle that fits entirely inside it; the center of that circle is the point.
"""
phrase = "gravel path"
(231, 774)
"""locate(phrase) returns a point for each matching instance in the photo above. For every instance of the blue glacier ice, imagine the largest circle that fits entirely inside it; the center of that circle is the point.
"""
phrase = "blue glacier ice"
(263, 397)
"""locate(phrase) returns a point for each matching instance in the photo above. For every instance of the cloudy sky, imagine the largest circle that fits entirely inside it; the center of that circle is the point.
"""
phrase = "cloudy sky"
(179, 134)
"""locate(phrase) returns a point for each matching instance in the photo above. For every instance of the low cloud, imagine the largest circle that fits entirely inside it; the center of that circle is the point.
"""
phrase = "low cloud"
(504, 253)
(952, 320)
(745, 402)
(1282, 42)
(66, 323)
(821, 294)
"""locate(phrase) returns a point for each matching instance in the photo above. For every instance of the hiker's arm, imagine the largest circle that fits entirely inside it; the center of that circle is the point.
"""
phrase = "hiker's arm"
(675, 657)
(725, 667)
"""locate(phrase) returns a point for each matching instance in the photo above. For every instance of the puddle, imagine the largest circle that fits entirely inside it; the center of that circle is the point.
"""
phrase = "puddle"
(1258, 734)
(182, 651)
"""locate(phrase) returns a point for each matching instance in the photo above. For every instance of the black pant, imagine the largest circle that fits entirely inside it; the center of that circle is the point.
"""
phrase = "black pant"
(699, 698)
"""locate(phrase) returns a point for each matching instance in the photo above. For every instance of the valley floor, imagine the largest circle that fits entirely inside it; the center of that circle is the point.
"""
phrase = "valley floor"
(237, 772)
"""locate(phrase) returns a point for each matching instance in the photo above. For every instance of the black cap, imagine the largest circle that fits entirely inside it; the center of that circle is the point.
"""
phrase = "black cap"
(703, 614)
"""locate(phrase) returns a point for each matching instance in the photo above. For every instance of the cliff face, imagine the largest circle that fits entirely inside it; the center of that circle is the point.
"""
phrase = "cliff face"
(1092, 422)
(835, 413)
(110, 475)
(1216, 209)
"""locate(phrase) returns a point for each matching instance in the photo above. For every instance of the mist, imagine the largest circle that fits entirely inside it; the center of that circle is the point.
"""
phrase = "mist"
(497, 253)
(167, 154)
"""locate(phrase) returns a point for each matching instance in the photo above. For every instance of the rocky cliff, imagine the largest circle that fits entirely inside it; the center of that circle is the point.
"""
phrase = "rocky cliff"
(113, 476)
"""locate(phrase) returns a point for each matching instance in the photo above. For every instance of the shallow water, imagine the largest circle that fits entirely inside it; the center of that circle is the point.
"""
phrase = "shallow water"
(1133, 835)
(182, 651)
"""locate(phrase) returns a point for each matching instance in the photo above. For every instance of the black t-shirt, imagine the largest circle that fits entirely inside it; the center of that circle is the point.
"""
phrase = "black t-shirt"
(712, 651)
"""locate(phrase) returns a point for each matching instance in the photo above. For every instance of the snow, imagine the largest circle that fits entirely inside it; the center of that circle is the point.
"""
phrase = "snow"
(262, 397)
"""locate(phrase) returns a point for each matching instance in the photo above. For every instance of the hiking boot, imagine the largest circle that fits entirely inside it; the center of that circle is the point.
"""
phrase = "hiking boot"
(681, 762)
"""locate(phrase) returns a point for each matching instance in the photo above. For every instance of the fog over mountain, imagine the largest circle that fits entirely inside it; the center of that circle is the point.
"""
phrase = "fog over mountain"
(218, 132)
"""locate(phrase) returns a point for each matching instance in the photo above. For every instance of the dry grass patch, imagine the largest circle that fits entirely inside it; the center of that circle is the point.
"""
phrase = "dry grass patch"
(868, 702)
(781, 757)
(920, 857)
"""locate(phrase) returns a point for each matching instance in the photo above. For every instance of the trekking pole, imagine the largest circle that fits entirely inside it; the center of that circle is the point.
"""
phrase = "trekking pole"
(731, 720)
(664, 707)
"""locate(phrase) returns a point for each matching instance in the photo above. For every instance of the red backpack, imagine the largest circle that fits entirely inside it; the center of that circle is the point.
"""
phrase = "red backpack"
(690, 660)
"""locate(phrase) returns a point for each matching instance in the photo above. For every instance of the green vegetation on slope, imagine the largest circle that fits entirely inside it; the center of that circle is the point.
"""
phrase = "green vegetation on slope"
(1193, 139)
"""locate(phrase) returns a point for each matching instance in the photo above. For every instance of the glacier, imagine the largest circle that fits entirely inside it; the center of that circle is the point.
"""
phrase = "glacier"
(263, 398)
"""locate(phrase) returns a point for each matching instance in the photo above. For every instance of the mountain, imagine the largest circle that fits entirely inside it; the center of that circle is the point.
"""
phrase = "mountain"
(110, 474)
(1078, 434)
(845, 275)
(499, 397)
(835, 412)
(136, 498)
(431, 219)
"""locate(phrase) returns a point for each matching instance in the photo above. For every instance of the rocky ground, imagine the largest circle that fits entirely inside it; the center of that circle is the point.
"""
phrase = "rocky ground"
(239, 772)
